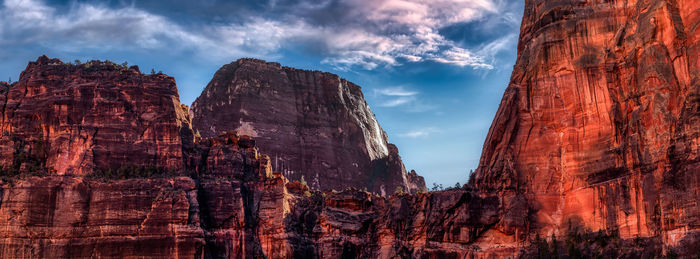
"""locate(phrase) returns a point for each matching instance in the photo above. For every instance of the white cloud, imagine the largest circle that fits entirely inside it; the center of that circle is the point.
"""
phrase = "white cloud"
(95, 26)
(395, 91)
(399, 96)
(408, 30)
(397, 101)
(386, 33)
(395, 96)
(419, 133)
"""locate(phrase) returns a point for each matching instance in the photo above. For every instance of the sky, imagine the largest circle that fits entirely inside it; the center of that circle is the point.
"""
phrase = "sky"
(432, 71)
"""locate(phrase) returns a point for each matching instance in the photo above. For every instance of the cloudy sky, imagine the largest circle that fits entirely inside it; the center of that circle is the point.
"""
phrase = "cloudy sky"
(433, 71)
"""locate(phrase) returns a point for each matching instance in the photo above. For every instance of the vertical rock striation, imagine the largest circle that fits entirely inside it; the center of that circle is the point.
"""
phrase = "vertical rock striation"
(66, 217)
(599, 126)
(312, 124)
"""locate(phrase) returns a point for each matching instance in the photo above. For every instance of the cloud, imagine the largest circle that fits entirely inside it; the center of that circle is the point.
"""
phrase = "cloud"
(395, 96)
(397, 101)
(88, 26)
(407, 30)
(346, 33)
(399, 96)
(395, 91)
(419, 133)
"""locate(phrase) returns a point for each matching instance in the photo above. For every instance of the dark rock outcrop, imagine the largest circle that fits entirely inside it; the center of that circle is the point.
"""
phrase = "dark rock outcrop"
(312, 124)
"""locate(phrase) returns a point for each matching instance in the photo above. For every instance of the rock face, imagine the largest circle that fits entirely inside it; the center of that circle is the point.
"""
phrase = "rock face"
(233, 207)
(600, 125)
(312, 124)
(72, 119)
(66, 217)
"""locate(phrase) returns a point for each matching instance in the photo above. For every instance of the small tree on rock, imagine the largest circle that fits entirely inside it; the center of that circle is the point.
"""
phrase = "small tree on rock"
(303, 181)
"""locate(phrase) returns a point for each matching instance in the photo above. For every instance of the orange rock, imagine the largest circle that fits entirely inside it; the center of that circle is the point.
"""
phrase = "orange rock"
(600, 123)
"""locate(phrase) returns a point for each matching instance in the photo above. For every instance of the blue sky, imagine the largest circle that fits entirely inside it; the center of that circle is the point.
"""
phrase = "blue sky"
(433, 71)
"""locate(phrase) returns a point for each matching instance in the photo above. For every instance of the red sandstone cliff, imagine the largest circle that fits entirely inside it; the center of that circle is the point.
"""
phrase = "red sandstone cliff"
(72, 119)
(600, 125)
(312, 124)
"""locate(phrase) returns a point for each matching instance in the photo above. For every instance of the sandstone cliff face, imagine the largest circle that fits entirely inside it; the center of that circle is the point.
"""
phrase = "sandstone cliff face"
(66, 217)
(312, 124)
(72, 119)
(600, 125)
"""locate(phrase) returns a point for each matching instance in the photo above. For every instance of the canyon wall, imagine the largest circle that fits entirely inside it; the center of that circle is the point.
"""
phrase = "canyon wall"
(313, 124)
(599, 127)
(233, 207)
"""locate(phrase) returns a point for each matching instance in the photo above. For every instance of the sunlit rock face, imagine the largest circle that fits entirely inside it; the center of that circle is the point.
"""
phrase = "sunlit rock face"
(72, 119)
(600, 125)
(312, 124)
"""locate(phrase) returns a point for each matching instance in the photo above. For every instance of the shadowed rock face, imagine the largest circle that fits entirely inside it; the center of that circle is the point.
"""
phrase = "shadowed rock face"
(312, 124)
(71, 119)
(600, 124)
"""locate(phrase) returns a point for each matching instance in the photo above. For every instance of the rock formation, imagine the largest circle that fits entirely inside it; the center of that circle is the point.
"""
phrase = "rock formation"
(232, 206)
(312, 124)
(68, 217)
(600, 127)
(593, 153)
(70, 119)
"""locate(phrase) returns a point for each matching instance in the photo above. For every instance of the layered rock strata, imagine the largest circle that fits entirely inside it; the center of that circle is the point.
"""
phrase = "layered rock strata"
(312, 124)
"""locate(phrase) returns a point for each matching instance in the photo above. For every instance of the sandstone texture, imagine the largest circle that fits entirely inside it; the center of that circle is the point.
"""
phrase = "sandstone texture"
(599, 128)
(312, 124)
(65, 119)
(67, 217)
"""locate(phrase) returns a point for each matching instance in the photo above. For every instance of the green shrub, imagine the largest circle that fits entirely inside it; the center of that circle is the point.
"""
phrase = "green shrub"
(303, 181)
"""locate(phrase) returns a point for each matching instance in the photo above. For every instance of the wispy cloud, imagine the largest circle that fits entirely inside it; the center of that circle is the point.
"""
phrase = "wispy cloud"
(395, 96)
(419, 133)
(399, 96)
(398, 101)
(88, 26)
(368, 34)
(395, 91)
